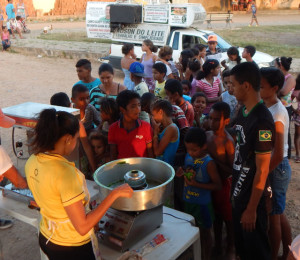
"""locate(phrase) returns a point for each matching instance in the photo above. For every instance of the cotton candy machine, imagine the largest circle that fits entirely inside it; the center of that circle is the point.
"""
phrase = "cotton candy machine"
(130, 219)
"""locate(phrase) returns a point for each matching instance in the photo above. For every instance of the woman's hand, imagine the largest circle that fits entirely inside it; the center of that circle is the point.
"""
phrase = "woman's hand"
(124, 191)
(178, 66)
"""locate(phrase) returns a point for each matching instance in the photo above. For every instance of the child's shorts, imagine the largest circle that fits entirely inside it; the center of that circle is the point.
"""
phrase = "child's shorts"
(203, 214)
(221, 200)
(279, 180)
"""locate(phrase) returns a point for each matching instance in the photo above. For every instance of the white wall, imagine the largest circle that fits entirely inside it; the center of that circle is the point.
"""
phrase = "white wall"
(45, 5)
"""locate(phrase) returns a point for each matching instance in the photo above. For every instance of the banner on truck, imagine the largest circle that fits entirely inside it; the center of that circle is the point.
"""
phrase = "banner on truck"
(98, 20)
(156, 13)
(137, 33)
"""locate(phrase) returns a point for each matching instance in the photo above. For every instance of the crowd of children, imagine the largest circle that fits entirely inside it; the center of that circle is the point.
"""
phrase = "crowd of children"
(225, 133)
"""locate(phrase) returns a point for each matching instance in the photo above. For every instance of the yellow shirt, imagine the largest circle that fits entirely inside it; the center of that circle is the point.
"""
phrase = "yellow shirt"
(159, 90)
(56, 183)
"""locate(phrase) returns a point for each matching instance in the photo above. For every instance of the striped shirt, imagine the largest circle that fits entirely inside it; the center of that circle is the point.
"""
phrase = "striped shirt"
(97, 94)
(211, 91)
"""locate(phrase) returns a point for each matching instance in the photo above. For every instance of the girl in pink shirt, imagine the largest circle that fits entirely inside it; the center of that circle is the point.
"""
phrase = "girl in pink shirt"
(208, 83)
(5, 37)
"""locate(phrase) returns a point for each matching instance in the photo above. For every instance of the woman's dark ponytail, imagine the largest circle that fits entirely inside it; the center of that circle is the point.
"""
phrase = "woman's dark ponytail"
(51, 126)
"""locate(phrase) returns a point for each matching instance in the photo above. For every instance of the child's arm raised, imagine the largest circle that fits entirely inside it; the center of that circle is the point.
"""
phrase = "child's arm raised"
(215, 183)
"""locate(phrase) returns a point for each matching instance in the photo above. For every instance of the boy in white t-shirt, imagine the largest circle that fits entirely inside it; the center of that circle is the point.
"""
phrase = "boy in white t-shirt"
(7, 169)
(280, 170)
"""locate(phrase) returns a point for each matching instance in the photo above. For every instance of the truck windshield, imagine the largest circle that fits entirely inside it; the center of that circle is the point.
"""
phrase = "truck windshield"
(222, 44)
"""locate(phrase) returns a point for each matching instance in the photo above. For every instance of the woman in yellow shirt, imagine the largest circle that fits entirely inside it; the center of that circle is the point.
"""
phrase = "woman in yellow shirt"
(59, 188)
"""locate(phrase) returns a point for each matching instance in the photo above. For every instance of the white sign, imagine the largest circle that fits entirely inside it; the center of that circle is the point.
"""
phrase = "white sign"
(178, 15)
(98, 20)
(137, 33)
(156, 13)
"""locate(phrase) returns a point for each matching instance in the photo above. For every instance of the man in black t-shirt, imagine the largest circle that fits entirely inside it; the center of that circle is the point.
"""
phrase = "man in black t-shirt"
(255, 133)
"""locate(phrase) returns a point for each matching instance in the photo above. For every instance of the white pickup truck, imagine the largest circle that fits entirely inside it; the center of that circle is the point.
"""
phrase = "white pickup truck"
(180, 39)
(165, 24)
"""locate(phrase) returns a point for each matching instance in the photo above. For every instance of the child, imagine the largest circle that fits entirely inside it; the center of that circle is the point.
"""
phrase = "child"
(209, 83)
(136, 75)
(248, 53)
(221, 148)
(228, 96)
(254, 11)
(174, 93)
(202, 53)
(129, 136)
(109, 113)
(199, 104)
(192, 70)
(126, 61)
(166, 133)
(233, 58)
(296, 119)
(186, 88)
(280, 171)
(148, 59)
(99, 145)
(146, 102)
(84, 73)
(88, 114)
(60, 99)
(5, 37)
(212, 51)
(159, 71)
(198, 187)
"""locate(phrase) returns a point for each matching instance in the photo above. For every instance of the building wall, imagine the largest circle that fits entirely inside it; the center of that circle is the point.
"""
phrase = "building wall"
(28, 4)
(77, 7)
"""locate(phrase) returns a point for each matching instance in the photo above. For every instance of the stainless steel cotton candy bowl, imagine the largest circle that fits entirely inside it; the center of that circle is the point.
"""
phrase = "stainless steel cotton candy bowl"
(159, 177)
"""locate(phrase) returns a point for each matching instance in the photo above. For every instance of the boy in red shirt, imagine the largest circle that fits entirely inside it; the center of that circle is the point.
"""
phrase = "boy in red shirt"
(129, 136)
(174, 93)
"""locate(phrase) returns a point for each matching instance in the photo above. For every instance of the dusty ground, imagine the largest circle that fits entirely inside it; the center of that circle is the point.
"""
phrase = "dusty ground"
(27, 78)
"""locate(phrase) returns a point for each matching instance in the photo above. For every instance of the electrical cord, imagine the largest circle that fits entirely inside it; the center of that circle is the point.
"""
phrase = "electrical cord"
(190, 221)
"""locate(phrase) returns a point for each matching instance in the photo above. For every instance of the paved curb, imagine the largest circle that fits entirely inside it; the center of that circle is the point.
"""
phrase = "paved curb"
(67, 54)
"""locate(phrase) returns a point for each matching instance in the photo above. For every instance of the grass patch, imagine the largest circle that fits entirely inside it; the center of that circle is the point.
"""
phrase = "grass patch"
(71, 37)
(274, 40)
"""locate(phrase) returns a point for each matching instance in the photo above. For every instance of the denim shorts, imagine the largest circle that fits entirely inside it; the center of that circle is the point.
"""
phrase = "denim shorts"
(279, 180)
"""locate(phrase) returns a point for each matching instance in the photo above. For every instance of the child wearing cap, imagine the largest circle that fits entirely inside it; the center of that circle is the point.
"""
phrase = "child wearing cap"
(136, 75)
(212, 51)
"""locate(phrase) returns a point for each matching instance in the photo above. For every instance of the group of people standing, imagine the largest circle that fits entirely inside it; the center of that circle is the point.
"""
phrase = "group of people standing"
(225, 133)
(15, 19)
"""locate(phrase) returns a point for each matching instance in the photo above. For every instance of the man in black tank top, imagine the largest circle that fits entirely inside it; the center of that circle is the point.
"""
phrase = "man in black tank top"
(254, 144)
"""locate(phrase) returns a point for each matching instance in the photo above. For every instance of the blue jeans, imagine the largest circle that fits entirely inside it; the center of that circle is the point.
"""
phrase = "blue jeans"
(5, 44)
(279, 180)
